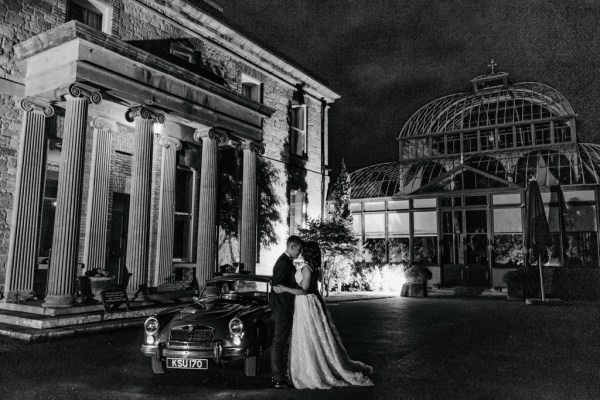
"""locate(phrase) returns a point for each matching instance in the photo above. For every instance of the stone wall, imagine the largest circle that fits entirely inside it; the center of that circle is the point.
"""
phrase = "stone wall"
(136, 20)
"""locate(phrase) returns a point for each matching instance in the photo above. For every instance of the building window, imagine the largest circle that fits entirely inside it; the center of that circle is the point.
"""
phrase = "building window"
(93, 13)
(251, 88)
(298, 134)
(297, 211)
(184, 214)
(48, 213)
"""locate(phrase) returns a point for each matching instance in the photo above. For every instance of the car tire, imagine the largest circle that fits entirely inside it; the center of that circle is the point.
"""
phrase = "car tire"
(157, 366)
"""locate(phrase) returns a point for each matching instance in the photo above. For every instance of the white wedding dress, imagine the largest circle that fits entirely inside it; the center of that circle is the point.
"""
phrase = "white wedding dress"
(318, 359)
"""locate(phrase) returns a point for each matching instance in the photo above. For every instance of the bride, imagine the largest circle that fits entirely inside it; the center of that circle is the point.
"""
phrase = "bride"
(318, 359)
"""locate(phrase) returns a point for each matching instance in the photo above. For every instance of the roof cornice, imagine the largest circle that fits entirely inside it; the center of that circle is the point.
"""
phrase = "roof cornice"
(76, 30)
(194, 19)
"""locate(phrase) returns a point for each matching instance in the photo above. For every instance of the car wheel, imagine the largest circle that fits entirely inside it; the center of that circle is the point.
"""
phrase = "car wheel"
(157, 366)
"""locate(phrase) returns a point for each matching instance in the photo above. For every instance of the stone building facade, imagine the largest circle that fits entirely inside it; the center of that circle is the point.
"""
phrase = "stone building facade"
(118, 121)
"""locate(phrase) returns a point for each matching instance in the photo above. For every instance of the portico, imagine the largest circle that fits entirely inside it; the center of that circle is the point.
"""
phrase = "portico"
(105, 92)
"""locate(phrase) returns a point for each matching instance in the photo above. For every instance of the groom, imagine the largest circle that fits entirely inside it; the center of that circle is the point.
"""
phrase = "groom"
(282, 312)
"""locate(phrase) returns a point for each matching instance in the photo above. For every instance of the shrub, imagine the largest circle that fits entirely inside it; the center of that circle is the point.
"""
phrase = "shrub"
(368, 276)
(97, 272)
(529, 277)
(417, 274)
(515, 277)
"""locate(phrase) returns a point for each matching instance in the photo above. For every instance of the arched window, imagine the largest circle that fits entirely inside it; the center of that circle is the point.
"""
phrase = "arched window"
(548, 167)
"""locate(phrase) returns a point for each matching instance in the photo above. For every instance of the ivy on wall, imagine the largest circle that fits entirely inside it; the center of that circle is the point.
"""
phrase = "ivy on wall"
(230, 193)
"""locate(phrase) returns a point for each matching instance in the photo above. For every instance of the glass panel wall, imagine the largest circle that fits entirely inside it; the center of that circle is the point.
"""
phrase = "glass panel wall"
(476, 237)
(398, 224)
(357, 224)
(452, 228)
(581, 249)
(508, 237)
(425, 241)
(375, 225)
(398, 248)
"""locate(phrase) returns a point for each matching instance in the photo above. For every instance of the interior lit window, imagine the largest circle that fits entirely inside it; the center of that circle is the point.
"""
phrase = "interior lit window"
(298, 134)
(184, 214)
(297, 211)
(48, 213)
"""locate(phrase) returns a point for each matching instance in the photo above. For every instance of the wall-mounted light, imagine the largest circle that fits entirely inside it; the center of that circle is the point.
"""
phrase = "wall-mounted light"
(157, 128)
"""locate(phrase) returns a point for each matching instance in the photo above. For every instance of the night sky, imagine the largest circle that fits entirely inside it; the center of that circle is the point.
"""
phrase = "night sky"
(389, 58)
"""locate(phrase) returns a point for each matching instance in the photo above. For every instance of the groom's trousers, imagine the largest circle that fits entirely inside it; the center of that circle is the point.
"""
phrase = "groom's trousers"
(280, 347)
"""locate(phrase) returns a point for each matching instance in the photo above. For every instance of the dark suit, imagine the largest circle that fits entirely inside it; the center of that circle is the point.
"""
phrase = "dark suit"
(282, 311)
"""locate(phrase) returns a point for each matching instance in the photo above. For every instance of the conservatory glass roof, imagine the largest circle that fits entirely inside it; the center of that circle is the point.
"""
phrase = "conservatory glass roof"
(499, 136)
(495, 116)
(514, 104)
(567, 165)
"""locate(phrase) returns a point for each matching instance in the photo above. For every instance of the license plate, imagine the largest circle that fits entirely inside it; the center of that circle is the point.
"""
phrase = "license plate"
(187, 363)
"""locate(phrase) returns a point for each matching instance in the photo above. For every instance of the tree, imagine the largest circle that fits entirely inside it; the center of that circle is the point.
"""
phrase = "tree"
(338, 248)
(342, 197)
(335, 236)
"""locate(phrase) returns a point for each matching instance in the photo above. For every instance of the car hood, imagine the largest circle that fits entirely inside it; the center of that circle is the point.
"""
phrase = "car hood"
(206, 312)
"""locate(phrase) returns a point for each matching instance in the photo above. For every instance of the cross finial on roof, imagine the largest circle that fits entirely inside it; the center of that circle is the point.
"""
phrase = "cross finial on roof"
(492, 65)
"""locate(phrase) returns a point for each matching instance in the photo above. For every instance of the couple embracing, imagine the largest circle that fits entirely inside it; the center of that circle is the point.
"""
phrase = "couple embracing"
(305, 338)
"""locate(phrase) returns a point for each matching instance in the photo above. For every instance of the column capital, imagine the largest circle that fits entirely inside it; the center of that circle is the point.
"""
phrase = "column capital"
(168, 142)
(101, 122)
(32, 104)
(254, 147)
(210, 133)
(78, 90)
(145, 113)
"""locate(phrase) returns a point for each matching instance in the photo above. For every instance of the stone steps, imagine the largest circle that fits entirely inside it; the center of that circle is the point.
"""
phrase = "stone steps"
(32, 322)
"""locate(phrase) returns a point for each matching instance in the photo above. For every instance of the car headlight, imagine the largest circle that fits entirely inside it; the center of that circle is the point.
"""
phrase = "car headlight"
(151, 325)
(236, 326)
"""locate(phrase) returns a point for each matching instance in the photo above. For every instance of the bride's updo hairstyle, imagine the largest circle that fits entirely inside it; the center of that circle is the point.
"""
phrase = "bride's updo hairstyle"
(311, 253)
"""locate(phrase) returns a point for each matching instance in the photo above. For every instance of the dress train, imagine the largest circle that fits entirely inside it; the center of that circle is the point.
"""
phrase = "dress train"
(318, 359)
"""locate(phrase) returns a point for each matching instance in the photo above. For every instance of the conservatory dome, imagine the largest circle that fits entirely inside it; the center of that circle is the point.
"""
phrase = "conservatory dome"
(498, 135)
(502, 105)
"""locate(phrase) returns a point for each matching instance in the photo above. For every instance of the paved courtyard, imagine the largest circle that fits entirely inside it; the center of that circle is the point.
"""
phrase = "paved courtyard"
(421, 348)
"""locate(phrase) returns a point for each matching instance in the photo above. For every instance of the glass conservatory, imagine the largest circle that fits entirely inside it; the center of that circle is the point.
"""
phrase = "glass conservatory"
(455, 199)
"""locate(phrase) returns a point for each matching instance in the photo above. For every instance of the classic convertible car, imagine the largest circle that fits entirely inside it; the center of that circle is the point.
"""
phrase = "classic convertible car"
(231, 320)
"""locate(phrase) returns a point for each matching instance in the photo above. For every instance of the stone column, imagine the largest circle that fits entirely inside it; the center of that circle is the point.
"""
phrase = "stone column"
(141, 182)
(22, 250)
(65, 242)
(207, 208)
(248, 233)
(94, 253)
(166, 211)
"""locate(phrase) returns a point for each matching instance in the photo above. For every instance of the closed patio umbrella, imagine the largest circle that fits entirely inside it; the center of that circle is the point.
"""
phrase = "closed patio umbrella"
(562, 226)
(537, 231)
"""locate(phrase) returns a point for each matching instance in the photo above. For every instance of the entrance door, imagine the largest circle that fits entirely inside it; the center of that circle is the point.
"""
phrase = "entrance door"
(117, 247)
(465, 258)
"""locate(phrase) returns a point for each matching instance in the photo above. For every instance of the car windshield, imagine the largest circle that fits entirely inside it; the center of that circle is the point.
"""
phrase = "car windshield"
(236, 289)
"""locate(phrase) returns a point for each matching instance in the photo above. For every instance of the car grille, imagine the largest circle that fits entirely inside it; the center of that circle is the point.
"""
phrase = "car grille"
(192, 334)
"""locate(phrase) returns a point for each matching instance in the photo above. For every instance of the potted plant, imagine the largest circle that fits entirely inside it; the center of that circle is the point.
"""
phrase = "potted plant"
(100, 279)
(516, 283)
(416, 280)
